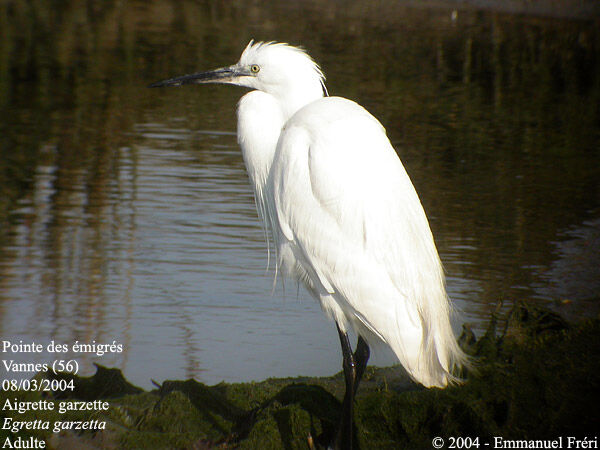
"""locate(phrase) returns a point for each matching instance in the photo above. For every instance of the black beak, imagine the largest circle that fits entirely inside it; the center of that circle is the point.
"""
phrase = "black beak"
(222, 75)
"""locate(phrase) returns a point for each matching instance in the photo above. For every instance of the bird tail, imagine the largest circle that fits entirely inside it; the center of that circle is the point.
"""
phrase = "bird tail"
(440, 357)
(431, 355)
(443, 358)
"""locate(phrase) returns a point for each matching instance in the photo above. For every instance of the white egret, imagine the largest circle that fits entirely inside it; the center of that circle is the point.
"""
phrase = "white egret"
(343, 215)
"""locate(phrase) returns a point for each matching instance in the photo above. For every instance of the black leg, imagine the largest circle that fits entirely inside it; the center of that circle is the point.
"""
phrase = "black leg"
(354, 365)
(343, 438)
(361, 356)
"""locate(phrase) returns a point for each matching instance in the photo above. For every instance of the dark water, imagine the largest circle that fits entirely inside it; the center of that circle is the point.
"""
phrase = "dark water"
(125, 213)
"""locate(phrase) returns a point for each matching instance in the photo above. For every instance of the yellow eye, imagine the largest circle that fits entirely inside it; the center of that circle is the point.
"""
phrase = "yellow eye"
(254, 68)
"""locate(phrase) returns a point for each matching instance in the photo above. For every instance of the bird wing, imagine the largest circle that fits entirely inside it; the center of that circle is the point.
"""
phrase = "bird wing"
(349, 223)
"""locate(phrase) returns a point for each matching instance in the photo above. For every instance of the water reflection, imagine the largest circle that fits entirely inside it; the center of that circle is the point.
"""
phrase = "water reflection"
(126, 214)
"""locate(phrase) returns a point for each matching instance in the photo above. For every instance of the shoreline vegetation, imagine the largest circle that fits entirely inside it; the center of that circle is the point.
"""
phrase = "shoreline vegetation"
(537, 378)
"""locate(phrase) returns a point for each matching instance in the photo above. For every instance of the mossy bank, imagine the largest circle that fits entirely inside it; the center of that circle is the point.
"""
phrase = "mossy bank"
(536, 378)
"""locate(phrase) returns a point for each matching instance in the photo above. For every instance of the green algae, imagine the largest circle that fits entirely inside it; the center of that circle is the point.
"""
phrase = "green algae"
(536, 378)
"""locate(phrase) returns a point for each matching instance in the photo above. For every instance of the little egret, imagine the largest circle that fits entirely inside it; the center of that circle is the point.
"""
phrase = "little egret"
(343, 215)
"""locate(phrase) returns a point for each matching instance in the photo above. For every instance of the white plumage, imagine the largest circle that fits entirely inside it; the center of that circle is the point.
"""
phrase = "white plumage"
(344, 216)
(342, 212)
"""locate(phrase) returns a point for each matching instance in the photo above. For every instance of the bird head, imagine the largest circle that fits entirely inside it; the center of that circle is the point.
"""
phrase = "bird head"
(286, 72)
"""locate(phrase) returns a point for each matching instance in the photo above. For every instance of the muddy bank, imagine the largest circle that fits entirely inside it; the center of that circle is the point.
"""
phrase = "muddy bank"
(537, 377)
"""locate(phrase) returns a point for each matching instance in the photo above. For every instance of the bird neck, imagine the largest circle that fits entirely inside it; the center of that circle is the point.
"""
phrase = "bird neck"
(293, 103)
(262, 116)
(295, 97)
(260, 120)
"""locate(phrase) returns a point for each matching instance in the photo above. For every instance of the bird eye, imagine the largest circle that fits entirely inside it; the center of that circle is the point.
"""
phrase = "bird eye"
(254, 68)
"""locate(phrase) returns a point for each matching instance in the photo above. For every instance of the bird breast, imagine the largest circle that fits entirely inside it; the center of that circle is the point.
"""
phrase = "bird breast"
(260, 120)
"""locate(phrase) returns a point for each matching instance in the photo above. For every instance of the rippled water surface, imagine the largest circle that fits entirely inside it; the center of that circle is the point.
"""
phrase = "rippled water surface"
(126, 214)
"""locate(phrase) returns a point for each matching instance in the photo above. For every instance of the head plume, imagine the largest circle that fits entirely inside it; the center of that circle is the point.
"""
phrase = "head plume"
(295, 58)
